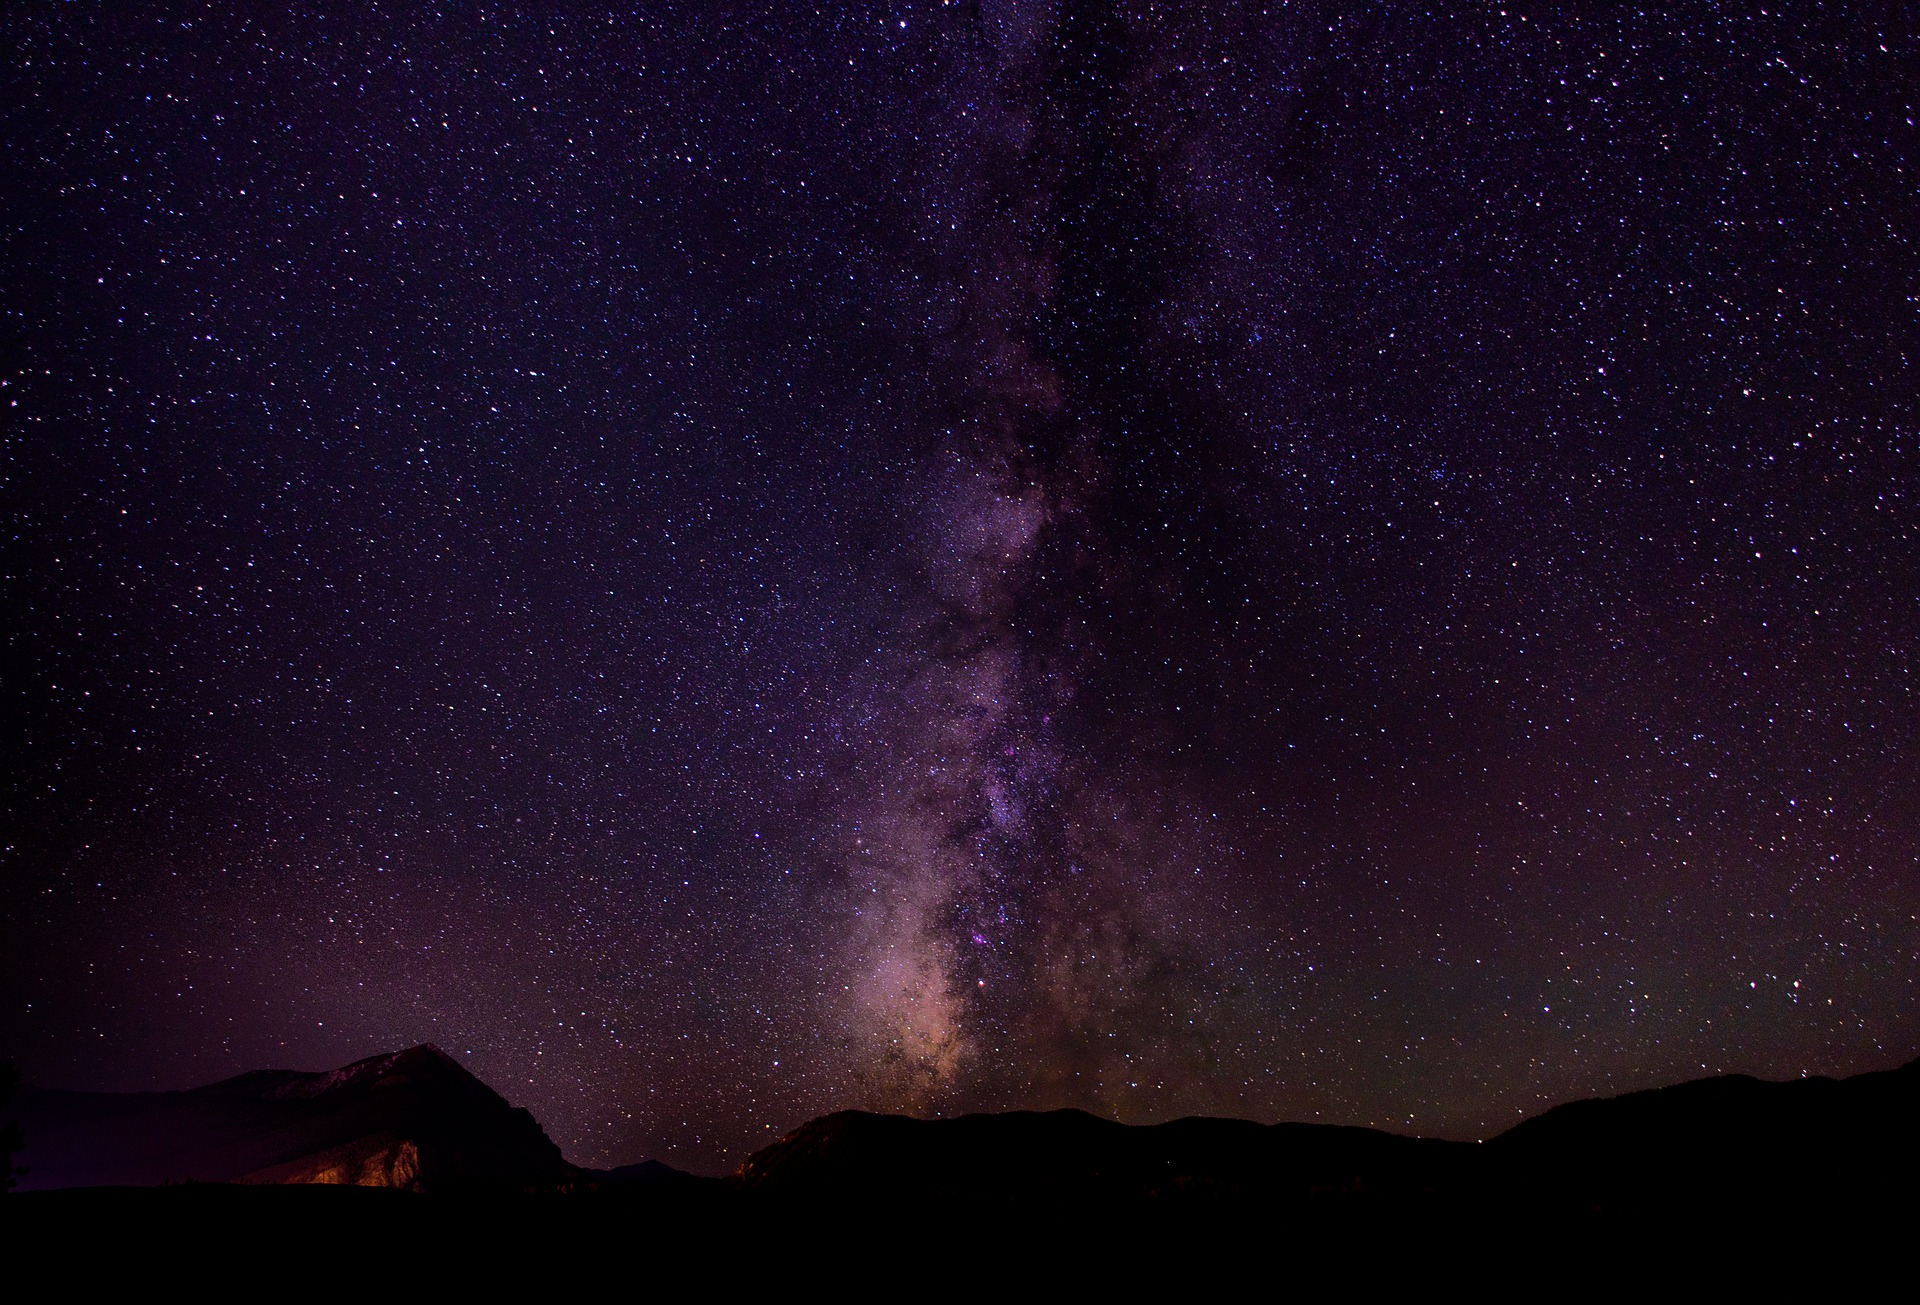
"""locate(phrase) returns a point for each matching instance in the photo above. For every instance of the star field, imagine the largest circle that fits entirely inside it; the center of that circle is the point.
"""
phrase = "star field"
(1288, 562)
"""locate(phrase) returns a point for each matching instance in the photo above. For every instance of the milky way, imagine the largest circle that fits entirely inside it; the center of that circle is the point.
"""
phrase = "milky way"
(1013, 935)
(1293, 562)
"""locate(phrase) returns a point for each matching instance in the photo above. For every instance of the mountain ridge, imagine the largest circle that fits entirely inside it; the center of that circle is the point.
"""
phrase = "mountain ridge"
(414, 1118)
(1734, 1140)
(418, 1120)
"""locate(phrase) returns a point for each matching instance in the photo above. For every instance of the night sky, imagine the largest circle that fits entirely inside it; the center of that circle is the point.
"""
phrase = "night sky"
(722, 563)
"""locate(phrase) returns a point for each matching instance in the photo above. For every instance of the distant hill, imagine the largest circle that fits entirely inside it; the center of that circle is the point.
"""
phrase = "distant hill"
(1068, 1155)
(410, 1119)
(1726, 1144)
(1731, 1142)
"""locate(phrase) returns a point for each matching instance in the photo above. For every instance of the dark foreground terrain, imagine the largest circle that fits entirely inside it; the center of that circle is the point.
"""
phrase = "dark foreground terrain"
(228, 1239)
(1721, 1179)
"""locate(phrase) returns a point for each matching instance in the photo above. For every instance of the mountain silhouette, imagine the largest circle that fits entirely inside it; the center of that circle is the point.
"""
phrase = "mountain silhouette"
(412, 1119)
(417, 1120)
(1723, 1144)
(1069, 1155)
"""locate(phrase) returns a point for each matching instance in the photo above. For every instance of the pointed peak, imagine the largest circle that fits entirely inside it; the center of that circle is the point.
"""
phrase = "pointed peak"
(387, 1069)
(427, 1051)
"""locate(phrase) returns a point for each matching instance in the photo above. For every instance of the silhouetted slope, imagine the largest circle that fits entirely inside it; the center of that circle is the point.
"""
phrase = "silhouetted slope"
(645, 1174)
(1071, 1155)
(412, 1119)
(1724, 1142)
